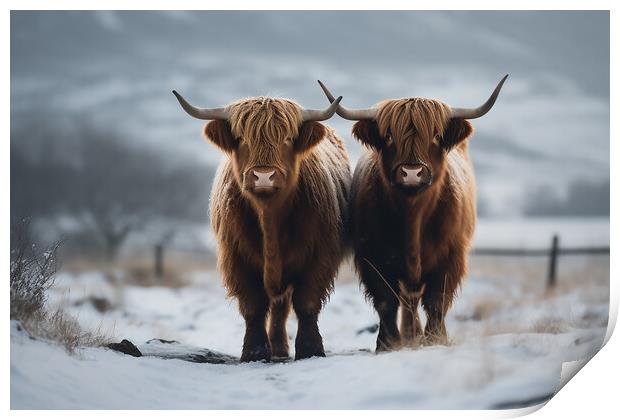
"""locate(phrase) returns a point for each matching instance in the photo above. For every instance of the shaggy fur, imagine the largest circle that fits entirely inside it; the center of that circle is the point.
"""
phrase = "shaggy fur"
(412, 247)
(286, 249)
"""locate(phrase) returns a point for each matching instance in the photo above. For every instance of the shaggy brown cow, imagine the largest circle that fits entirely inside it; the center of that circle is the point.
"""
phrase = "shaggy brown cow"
(412, 210)
(278, 210)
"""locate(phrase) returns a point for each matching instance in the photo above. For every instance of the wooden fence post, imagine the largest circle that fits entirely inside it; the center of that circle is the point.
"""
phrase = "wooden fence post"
(159, 261)
(553, 263)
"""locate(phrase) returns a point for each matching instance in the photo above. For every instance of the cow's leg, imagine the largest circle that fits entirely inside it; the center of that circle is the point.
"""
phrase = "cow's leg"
(255, 341)
(411, 290)
(382, 288)
(253, 305)
(388, 337)
(308, 298)
(410, 326)
(441, 286)
(411, 286)
(435, 330)
(278, 314)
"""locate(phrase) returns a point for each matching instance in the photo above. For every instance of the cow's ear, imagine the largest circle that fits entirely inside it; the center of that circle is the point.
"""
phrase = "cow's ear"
(218, 132)
(367, 132)
(310, 134)
(457, 130)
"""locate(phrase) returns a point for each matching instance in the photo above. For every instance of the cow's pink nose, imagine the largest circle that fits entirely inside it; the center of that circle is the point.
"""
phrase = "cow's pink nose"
(263, 179)
(412, 175)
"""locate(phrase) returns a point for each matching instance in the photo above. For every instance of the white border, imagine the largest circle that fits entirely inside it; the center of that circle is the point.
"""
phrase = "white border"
(591, 395)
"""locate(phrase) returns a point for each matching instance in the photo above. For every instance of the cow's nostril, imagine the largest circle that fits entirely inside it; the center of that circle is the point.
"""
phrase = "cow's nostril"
(263, 179)
(412, 174)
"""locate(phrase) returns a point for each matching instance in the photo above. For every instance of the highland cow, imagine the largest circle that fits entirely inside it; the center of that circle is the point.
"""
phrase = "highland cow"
(279, 212)
(413, 211)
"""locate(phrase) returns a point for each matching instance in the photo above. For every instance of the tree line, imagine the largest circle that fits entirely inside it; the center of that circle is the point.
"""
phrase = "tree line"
(95, 186)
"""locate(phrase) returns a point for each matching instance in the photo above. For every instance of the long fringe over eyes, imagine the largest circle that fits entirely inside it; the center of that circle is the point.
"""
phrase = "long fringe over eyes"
(429, 118)
(264, 123)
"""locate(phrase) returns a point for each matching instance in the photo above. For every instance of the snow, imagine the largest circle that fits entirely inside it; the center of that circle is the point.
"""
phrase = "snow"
(510, 355)
(428, 378)
(537, 232)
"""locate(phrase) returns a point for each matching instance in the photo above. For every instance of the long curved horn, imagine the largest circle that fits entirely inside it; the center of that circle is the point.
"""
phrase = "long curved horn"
(320, 114)
(202, 113)
(350, 114)
(471, 113)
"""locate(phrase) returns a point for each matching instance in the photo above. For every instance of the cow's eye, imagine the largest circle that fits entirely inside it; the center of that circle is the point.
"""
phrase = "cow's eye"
(437, 140)
(388, 139)
(288, 142)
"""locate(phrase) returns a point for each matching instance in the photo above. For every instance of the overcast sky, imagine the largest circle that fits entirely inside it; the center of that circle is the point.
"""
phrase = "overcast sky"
(549, 128)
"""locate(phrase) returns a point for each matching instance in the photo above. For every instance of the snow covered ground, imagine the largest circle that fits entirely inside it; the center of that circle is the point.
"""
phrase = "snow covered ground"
(536, 232)
(508, 343)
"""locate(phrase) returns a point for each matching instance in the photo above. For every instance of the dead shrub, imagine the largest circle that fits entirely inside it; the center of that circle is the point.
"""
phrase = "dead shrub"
(32, 274)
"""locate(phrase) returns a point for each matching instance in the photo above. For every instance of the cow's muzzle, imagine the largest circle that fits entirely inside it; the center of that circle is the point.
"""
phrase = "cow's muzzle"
(412, 176)
(263, 180)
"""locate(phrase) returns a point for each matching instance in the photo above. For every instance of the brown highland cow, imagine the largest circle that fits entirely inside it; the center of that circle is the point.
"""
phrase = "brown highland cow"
(413, 211)
(279, 212)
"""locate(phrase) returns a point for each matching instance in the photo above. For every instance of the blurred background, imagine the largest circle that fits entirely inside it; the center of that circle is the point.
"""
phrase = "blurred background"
(103, 157)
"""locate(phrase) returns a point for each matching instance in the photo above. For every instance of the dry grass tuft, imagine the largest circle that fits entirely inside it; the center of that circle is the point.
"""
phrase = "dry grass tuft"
(62, 328)
(437, 339)
(485, 308)
(549, 325)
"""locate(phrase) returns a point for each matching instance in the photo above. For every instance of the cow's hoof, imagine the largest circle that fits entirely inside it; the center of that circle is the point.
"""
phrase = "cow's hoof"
(388, 345)
(279, 354)
(256, 354)
(278, 342)
(382, 348)
(305, 352)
